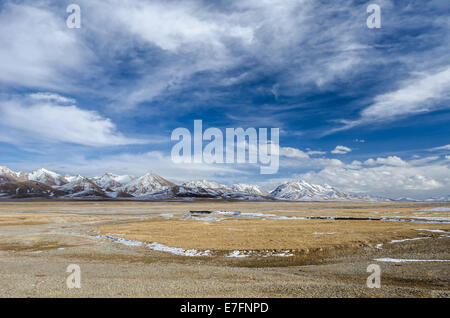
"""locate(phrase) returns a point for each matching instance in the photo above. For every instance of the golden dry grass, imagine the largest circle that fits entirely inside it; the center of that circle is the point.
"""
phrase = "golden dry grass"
(141, 221)
(14, 219)
(140, 206)
(257, 234)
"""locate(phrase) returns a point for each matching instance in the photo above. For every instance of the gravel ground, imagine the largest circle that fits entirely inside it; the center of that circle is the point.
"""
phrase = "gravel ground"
(34, 258)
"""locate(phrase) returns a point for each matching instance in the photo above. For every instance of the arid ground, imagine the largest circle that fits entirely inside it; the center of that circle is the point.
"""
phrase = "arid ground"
(270, 249)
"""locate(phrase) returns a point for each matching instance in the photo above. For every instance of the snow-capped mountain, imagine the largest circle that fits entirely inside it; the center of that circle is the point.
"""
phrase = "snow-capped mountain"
(28, 189)
(249, 189)
(47, 177)
(405, 199)
(439, 199)
(82, 187)
(304, 191)
(204, 184)
(208, 189)
(70, 178)
(112, 182)
(45, 183)
(147, 184)
(7, 175)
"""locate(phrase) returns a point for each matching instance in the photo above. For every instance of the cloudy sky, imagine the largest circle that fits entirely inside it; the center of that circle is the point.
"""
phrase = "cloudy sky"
(366, 110)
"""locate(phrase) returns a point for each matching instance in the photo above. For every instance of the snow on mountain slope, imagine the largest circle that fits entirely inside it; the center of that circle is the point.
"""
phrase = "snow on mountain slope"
(405, 199)
(249, 189)
(7, 175)
(28, 189)
(204, 184)
(70, 178)
(439, 199)
(82, 187)
(147, 184)
(208, 189)
(304, 191)
(47, 177)
(152, 186)
(111, 182)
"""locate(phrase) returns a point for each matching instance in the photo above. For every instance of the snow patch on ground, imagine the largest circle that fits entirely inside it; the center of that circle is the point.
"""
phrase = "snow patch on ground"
(434, 231)
(324, 233)
(207, 219)
(412, 239)
(289, 218)
(379, 246)
(228, 213)
(238, 253)
(157, 246)
(439, 209)
(241, 254)
(401, 260)
(417, 219)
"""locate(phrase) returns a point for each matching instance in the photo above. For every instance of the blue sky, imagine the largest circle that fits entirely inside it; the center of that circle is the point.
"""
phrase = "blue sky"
(366, 110)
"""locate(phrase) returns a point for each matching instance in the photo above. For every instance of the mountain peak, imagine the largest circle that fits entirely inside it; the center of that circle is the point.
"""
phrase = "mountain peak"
(5, 170)
(249, 189)
(301, 190)
(147, 184)
(205, 184)
(47, 177)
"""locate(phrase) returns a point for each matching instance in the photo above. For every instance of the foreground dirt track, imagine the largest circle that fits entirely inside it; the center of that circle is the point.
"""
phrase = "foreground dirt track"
(324, 257)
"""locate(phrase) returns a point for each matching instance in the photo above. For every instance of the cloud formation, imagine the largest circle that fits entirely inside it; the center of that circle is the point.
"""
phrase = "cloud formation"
(38, 50)
(45, 117)
(417, 181)
(419, 94)
(341, 150)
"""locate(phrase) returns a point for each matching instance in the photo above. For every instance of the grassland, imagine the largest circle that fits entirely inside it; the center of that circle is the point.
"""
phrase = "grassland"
(328, 257)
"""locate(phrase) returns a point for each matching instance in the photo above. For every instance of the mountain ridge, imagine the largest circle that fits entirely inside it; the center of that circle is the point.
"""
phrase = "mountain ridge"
(154, 187)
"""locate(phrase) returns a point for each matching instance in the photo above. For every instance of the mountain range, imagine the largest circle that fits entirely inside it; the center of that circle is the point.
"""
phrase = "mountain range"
(43, 183)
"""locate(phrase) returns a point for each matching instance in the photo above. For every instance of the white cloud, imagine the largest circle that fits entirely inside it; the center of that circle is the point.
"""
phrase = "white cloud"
(341, 150)
(293, 153)
(417, 95)
(327, 162)
(293, 157)
(52, 97)
(296, 158)
(173, 26)
(356, 164)
(421, 161)
(388, 181)
(182, 38)
(138, 164)
(315, 152)
(446, 147)
(390, 176)
(193, 37)
(38, 50)
(389, 161)
(44, 119)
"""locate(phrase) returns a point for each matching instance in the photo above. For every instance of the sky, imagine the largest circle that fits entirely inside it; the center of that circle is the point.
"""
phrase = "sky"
(364, 110)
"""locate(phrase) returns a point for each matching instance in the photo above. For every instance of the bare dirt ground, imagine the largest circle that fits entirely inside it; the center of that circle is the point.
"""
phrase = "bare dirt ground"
(286, 249)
